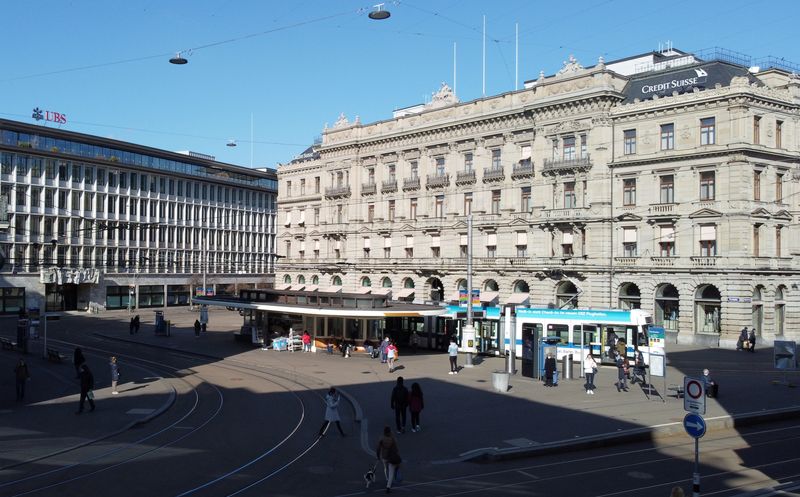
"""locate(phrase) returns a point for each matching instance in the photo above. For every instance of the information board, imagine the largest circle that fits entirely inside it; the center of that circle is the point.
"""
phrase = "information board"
(657, 364)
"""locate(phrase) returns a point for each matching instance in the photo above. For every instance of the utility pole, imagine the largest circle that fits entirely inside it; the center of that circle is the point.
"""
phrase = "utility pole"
(468, 333)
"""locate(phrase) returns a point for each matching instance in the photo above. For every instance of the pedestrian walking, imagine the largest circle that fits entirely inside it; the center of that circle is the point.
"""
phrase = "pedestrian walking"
(114, 374)
(131, 326)
(622, 348)
(549, 369)
(743, 337)
(196, 328)
(416, 403)
(78, 360)
(306, 342)
(622, 380)
(752, 339)
(589, 369)
(384, 350)
(22, 376)
(331, 412)
(452, 353)
(399, 402)
(136, 324)
(391, 355)
(710, 386)
(389, 454)
(87, 388)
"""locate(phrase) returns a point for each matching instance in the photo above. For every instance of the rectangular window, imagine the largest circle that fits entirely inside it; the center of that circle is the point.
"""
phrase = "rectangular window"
(778, 134)
(570, 200)
(468, 165)
(76, 200)
(567, 240)
(779, 188)
(569, 148)
(123, 180)
(409, 247)
(707, 131)
(316, 216)
(584, 146)
(629, 141)
(412, 209)
(440, 166)
(667, 136)
(756, 185)
(629, 191)
(667, 241)
(49, 169)
(496, 158)
(302, 187)
(414, 167)
(370, 213)
(707, 185)
(708, 240)
(629, 242)
(756, 240)
(436, 246)
(495, 201)
(36, 194)
(522, 244)
(317, 184)
(463, 247)
(667, 189)
(391, 210)
(439, 206)
(778, 250)
(525, 199)
(467, 204)
(756, 130)
(36, 167)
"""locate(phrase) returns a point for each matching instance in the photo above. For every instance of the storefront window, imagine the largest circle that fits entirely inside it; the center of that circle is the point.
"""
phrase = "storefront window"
(708, 309)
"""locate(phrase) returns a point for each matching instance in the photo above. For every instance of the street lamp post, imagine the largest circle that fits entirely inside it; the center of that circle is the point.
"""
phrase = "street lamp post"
(468, 333)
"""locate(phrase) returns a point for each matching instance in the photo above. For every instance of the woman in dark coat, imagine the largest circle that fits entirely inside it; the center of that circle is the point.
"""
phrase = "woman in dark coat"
(78, 360)
(549, 370)
(87, 385)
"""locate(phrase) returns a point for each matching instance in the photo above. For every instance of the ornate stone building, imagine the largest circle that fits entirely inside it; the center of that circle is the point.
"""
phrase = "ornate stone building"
(664, 181)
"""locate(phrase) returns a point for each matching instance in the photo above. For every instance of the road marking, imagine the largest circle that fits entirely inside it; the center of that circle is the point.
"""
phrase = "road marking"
(529, 475)
(138, 411)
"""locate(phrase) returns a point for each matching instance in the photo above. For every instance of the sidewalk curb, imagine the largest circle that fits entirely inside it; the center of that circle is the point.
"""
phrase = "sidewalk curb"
(493, 454)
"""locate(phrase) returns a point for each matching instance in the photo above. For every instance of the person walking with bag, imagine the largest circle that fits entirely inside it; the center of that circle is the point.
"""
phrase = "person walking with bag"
(399, 402)
(452, 353)
(391, 355)
(384, 349)
(622, 380)
(87, 387)
(589, 369)
(22, 376)
(416, 403)
(114, 375)
(389, 454)
(331, 412)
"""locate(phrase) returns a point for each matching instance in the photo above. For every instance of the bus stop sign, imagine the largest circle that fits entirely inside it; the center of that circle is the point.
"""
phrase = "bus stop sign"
(694, 395)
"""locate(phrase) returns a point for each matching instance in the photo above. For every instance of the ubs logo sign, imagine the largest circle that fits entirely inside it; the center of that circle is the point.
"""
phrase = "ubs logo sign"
(48, 115)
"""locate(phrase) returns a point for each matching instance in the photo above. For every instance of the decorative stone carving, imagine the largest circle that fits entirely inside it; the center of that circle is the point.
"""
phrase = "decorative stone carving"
(601, 62)
(341, 122)
(443, 97)
(571, 66)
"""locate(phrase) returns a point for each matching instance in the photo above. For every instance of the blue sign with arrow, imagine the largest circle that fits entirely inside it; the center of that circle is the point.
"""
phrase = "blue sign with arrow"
(695, 425)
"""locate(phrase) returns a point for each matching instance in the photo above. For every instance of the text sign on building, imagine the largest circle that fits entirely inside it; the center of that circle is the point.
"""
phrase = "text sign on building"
(49, 115)
(694, 395)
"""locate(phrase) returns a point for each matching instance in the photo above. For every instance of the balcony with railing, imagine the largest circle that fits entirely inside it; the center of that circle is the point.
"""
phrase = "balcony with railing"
(369, 188)
(703, 261)
(411, 184)
(565, 214)
(493, 174)
(556, 166)
(663, 261)
(626, 261)
(388, 186)
(437, 181)
(338, 191)
(522, 169)
(465, 177)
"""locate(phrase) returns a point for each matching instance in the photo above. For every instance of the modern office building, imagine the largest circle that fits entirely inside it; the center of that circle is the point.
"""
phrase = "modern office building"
(665, 181)
(99, 223)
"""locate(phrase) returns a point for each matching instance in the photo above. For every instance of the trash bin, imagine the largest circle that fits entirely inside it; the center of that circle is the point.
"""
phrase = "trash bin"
(566, 367)
(500, 381)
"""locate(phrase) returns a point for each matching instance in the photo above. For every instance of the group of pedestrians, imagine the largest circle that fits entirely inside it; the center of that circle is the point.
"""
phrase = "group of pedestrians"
(86, 379)
(389, 353)
(747, 340)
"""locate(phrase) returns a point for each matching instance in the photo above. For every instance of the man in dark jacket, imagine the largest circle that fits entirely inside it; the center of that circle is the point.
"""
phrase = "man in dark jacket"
(742, 339)
(87, 385)
(400, 404)
(549, 369)
(752, 339)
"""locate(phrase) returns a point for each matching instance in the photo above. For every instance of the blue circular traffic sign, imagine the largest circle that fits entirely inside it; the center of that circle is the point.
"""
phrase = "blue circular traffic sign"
(695, 425)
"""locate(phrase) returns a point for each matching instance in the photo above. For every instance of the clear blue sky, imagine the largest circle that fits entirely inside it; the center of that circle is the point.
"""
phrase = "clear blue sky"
(295, 65)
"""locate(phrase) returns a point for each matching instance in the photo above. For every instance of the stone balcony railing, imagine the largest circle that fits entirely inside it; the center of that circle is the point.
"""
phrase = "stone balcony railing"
(704, 261)
(369, 189)
(465, 177)
(523, 169)
(390, 185)
(493, 174)
(663, 208)
(411, 184)
(626, 261)
(338, 191)
(437, 181)
(565, 214)
(555, 166)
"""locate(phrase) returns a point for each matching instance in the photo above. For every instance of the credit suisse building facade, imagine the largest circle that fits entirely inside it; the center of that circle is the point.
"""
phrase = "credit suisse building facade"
(98, 223)
(665, 181)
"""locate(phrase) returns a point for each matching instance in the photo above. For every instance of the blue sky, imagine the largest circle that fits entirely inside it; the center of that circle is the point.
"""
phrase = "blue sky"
(296, 65)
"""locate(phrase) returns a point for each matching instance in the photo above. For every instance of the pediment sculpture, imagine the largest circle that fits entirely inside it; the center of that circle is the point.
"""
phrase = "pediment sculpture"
(571, 66)
(443, 97)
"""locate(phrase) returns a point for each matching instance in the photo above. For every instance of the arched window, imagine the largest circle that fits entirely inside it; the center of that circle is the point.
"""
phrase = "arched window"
(667, 309)
(758, 309)
(629, 296)
(366, 281)
(287, 279)
(386, 283)
(707, 309)
(461, 284)
(567, 295)
(408, 283)
(315, 280)
(301, 279)
(491, 286)
(436, 289)
(521, 287)
(336, 281)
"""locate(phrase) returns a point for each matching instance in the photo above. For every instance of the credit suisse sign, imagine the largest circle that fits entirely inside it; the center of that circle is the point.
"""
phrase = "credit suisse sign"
(676, 84)
(645, 86)
(49, 115)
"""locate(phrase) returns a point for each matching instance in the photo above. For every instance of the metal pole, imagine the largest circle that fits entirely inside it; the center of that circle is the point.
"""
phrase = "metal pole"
(583, 351)
(696, 474)
(469, 286)
(43, 317)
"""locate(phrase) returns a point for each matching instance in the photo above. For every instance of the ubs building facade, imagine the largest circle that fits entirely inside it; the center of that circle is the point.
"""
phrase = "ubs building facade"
(94, 223)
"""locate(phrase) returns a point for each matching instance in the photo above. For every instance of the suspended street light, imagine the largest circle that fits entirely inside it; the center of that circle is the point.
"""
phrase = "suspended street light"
(378, 13)
(178, 60)
(231, 143)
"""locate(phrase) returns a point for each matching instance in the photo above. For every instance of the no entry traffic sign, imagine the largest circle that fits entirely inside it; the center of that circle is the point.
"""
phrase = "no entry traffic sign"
(694, 395)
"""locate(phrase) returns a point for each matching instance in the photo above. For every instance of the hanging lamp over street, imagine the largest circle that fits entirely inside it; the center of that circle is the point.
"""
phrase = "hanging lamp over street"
(378, 13)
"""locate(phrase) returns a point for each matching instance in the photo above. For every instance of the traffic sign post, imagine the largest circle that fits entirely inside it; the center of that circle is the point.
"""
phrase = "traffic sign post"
(694, 395)
(695, 425)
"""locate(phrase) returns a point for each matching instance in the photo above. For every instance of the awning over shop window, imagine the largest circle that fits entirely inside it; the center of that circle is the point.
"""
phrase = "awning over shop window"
(409, 242)
(708, 233)
(491, 240)
(629, 235)
(489, 297)
(436, 241)
(464, 241)
(405, 293)
(522, 238)
(566, 238)
(363, 290)
(519, 299)
(312, 288)
(367, 242)
(297, 287)
(387, 242)
(282, 286)
(667, 233)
